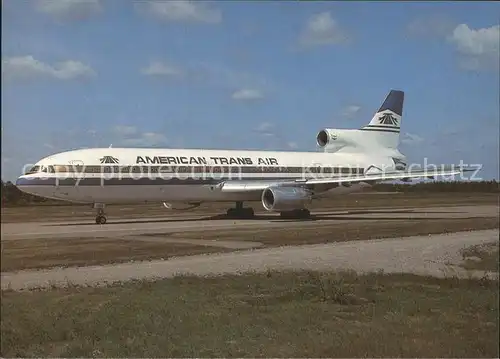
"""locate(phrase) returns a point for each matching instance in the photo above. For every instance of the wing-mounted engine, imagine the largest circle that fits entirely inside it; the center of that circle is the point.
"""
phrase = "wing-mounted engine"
(285, 198)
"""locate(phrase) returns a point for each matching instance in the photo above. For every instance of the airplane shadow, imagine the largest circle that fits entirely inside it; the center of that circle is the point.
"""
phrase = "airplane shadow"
(346, 216)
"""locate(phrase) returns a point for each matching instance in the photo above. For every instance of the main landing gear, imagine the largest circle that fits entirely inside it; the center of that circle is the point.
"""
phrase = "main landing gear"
(240, 212)
(100, 218)
(302, 213)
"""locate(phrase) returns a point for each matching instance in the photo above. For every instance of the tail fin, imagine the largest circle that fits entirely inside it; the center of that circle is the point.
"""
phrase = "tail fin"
(386, 123)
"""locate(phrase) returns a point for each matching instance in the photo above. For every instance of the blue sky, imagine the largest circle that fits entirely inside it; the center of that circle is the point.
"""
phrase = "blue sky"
(268, 75)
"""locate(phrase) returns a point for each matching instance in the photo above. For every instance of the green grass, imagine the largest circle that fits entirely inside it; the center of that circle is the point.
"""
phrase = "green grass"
(481, 257)
(259, 315)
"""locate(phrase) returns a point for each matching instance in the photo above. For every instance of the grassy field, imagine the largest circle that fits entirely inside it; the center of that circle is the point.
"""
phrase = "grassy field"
(52, 252)
(269, 315)
(481, 257)
(362, 200)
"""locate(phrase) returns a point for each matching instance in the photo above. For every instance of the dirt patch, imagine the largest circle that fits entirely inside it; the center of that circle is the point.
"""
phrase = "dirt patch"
(46, 253)
(347, 231)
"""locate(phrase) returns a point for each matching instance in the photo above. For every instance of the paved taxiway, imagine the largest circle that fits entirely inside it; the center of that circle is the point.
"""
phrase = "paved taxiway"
(137, 227)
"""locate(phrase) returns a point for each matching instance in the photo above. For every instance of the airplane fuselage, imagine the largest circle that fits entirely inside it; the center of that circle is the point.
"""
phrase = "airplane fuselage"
(284, 182)
(128, 175)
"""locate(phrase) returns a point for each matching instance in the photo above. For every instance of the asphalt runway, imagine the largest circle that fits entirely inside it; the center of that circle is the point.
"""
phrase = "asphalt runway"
(137, 227)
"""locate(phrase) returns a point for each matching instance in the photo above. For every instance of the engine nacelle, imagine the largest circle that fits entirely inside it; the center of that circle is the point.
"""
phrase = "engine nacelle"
(285, 198)
(324, 137)
(332, 137)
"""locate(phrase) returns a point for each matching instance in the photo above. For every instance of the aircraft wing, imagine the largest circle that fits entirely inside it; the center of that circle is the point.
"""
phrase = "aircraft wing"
(246, 186)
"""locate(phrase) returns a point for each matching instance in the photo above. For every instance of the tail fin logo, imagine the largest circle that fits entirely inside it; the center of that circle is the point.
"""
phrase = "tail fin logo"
(399, 164)
(109, 159)
(388, 119)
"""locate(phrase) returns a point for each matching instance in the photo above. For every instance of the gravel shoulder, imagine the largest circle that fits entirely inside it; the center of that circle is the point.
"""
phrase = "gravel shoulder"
(435, 255)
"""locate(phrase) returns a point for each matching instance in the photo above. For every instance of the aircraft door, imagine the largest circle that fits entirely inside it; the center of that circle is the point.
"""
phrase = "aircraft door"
(75, 172)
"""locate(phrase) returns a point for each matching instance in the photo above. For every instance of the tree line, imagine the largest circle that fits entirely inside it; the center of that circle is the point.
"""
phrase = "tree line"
(12, 196)
(441, 186)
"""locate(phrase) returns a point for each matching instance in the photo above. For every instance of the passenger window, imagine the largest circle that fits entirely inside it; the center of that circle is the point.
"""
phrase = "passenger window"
(60, 169)
(47, 169)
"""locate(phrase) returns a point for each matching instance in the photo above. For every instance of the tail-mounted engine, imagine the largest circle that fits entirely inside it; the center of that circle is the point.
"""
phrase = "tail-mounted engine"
(325, 137)
(332, 139)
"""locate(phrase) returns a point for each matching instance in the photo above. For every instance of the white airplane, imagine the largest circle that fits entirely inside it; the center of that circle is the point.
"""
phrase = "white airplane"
(284, 182)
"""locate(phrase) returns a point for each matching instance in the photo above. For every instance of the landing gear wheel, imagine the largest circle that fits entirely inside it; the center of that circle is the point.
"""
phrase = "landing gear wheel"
(100, 220)
(240, 213)
(249, 212)
(100, 216)
(296, 214)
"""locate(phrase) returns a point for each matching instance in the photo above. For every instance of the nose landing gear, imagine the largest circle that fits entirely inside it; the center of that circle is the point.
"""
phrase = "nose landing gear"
(101, 216)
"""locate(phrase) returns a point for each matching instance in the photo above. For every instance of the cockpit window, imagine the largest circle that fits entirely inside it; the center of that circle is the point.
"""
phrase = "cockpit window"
(33, 169)
(43, 169)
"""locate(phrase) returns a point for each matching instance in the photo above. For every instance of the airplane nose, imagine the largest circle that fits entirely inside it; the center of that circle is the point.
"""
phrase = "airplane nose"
(21, 181)
(27, 184)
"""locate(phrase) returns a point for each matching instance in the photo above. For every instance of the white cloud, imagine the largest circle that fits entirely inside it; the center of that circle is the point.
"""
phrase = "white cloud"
(125, 135)
(271, 137)
(247, 94)
(27, 67)
(479, 48)
(146, 139)
(69, 9)
(433, 25)
(264, 127)
(251, 86)
(320, 30)
(182, 11)
(123, 130)
(221, 76)
(476, 42)
(158, 68)
(411, 139)
(350, 111)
